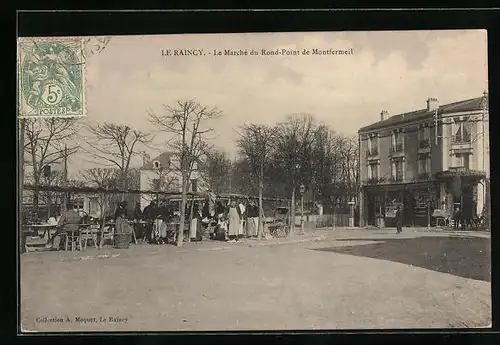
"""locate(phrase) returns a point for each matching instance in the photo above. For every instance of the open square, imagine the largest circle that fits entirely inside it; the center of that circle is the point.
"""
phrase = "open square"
(248, 286)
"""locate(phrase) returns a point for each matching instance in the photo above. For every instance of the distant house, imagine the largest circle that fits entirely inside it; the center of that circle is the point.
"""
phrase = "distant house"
(162, 174)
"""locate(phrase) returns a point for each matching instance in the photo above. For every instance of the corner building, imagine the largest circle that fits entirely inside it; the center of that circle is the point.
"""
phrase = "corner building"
(428, 159)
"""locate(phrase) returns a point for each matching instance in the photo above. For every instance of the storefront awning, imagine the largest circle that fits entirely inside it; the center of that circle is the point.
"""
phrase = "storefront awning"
(452, 173)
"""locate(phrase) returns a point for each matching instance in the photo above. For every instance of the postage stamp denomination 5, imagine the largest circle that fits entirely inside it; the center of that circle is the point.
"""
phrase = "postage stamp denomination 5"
(51, 77)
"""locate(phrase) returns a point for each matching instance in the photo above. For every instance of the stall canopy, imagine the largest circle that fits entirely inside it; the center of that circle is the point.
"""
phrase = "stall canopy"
(168, 194)
(96, 190)
(243, 196)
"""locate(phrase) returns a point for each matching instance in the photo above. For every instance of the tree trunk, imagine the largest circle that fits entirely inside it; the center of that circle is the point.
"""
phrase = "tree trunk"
(261, 220)
(292, 211)
(49, 205)
(103, 220)
(191, 209)
(180, 232)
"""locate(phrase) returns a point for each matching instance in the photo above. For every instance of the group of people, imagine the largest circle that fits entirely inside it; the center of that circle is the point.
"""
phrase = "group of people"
(463, 220)
(233, 221)
(229, 221)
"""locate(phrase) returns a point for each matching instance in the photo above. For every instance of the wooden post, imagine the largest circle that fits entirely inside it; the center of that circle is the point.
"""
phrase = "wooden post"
(292, 210)
(103, 218)
(191, 218)
(21, 183)
(260, 228)
(66, 196)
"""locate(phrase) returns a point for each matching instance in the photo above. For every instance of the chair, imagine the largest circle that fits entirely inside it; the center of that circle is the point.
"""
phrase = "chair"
(87, 234)
(73, 239)
(108, 233)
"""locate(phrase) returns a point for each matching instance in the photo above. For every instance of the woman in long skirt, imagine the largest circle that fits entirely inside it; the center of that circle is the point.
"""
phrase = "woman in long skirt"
(234, 221)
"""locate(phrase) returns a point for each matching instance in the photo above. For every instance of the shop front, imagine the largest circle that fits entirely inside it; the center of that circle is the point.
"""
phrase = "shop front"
(417, 202)
(462, 188)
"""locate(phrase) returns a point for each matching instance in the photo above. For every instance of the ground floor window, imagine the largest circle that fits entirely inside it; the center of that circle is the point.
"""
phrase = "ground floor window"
(461, 160)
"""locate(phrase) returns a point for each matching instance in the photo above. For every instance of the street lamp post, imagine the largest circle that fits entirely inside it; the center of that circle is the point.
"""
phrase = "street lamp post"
(351, 213)
(302, 190)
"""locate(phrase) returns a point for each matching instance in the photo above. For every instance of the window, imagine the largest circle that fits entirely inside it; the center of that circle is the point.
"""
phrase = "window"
(156, 184)
(397, 169)
(424, 136)
(461, 160)
(194, 186)
(424, 164)
(397, 141)
(373, 145)
(373, 171)
(461, 130)
(78, 204)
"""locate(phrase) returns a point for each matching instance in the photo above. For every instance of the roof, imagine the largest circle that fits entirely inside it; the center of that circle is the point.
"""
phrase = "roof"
(164, 159)
(455, 107)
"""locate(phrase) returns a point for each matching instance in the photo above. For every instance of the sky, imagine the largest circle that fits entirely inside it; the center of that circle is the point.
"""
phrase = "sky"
(393, 71)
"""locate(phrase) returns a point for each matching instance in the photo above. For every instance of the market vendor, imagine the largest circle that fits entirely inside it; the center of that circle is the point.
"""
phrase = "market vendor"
(69, 221)
(121, 223)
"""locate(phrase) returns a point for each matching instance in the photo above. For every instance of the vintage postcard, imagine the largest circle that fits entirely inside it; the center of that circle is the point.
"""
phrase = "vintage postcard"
(257, 181)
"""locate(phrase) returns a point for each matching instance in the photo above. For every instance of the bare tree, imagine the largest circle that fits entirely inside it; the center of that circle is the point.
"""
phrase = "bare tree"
(256, 144)
(104, 179)
(116, 145)
(294, 150)
(44, 145)
(163, 179)
(186, 121)
(216, 171)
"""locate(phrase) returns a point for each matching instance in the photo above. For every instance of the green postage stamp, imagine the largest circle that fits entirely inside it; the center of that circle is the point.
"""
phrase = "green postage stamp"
(51, 77)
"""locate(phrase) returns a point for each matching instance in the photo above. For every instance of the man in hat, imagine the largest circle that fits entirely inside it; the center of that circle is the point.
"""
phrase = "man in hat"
(149, 215)
(399, 220)
(69, 221)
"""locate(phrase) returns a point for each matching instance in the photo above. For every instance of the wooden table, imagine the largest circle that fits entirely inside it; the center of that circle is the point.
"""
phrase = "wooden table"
(45, 227)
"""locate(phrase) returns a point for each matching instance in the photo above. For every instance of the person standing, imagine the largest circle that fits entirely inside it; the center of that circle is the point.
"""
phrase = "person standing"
(252, 219)
(399, 219)
(456, 218)
(121, 224)
(234, 221)
(149, 215)
(242, 208)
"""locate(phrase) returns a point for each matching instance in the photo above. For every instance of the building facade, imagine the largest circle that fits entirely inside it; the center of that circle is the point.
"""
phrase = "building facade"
(162, 174)
(436, 158)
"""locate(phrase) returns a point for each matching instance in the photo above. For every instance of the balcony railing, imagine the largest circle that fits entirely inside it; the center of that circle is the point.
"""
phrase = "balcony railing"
(375, 180)
(397, 148)
(398, 177)
(424, 143)
(424, 176)
(372, 152)
(461, 139)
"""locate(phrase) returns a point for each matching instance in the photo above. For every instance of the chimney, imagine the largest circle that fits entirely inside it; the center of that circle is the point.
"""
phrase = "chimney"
(432, 104)
(383, 115)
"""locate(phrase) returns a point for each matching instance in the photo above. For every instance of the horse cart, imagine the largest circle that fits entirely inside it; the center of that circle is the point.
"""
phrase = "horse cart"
(279, 226)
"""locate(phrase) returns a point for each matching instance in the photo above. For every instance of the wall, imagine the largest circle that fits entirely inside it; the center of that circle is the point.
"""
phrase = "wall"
(436, 148)
(363, 147)
(384, 148)
(147, 176)
(411, 152)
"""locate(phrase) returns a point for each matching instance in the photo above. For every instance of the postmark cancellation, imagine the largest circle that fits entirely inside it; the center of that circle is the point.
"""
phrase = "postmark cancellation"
(51, 77)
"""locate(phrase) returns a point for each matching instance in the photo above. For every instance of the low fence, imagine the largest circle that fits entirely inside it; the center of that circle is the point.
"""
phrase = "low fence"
(331, 220)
